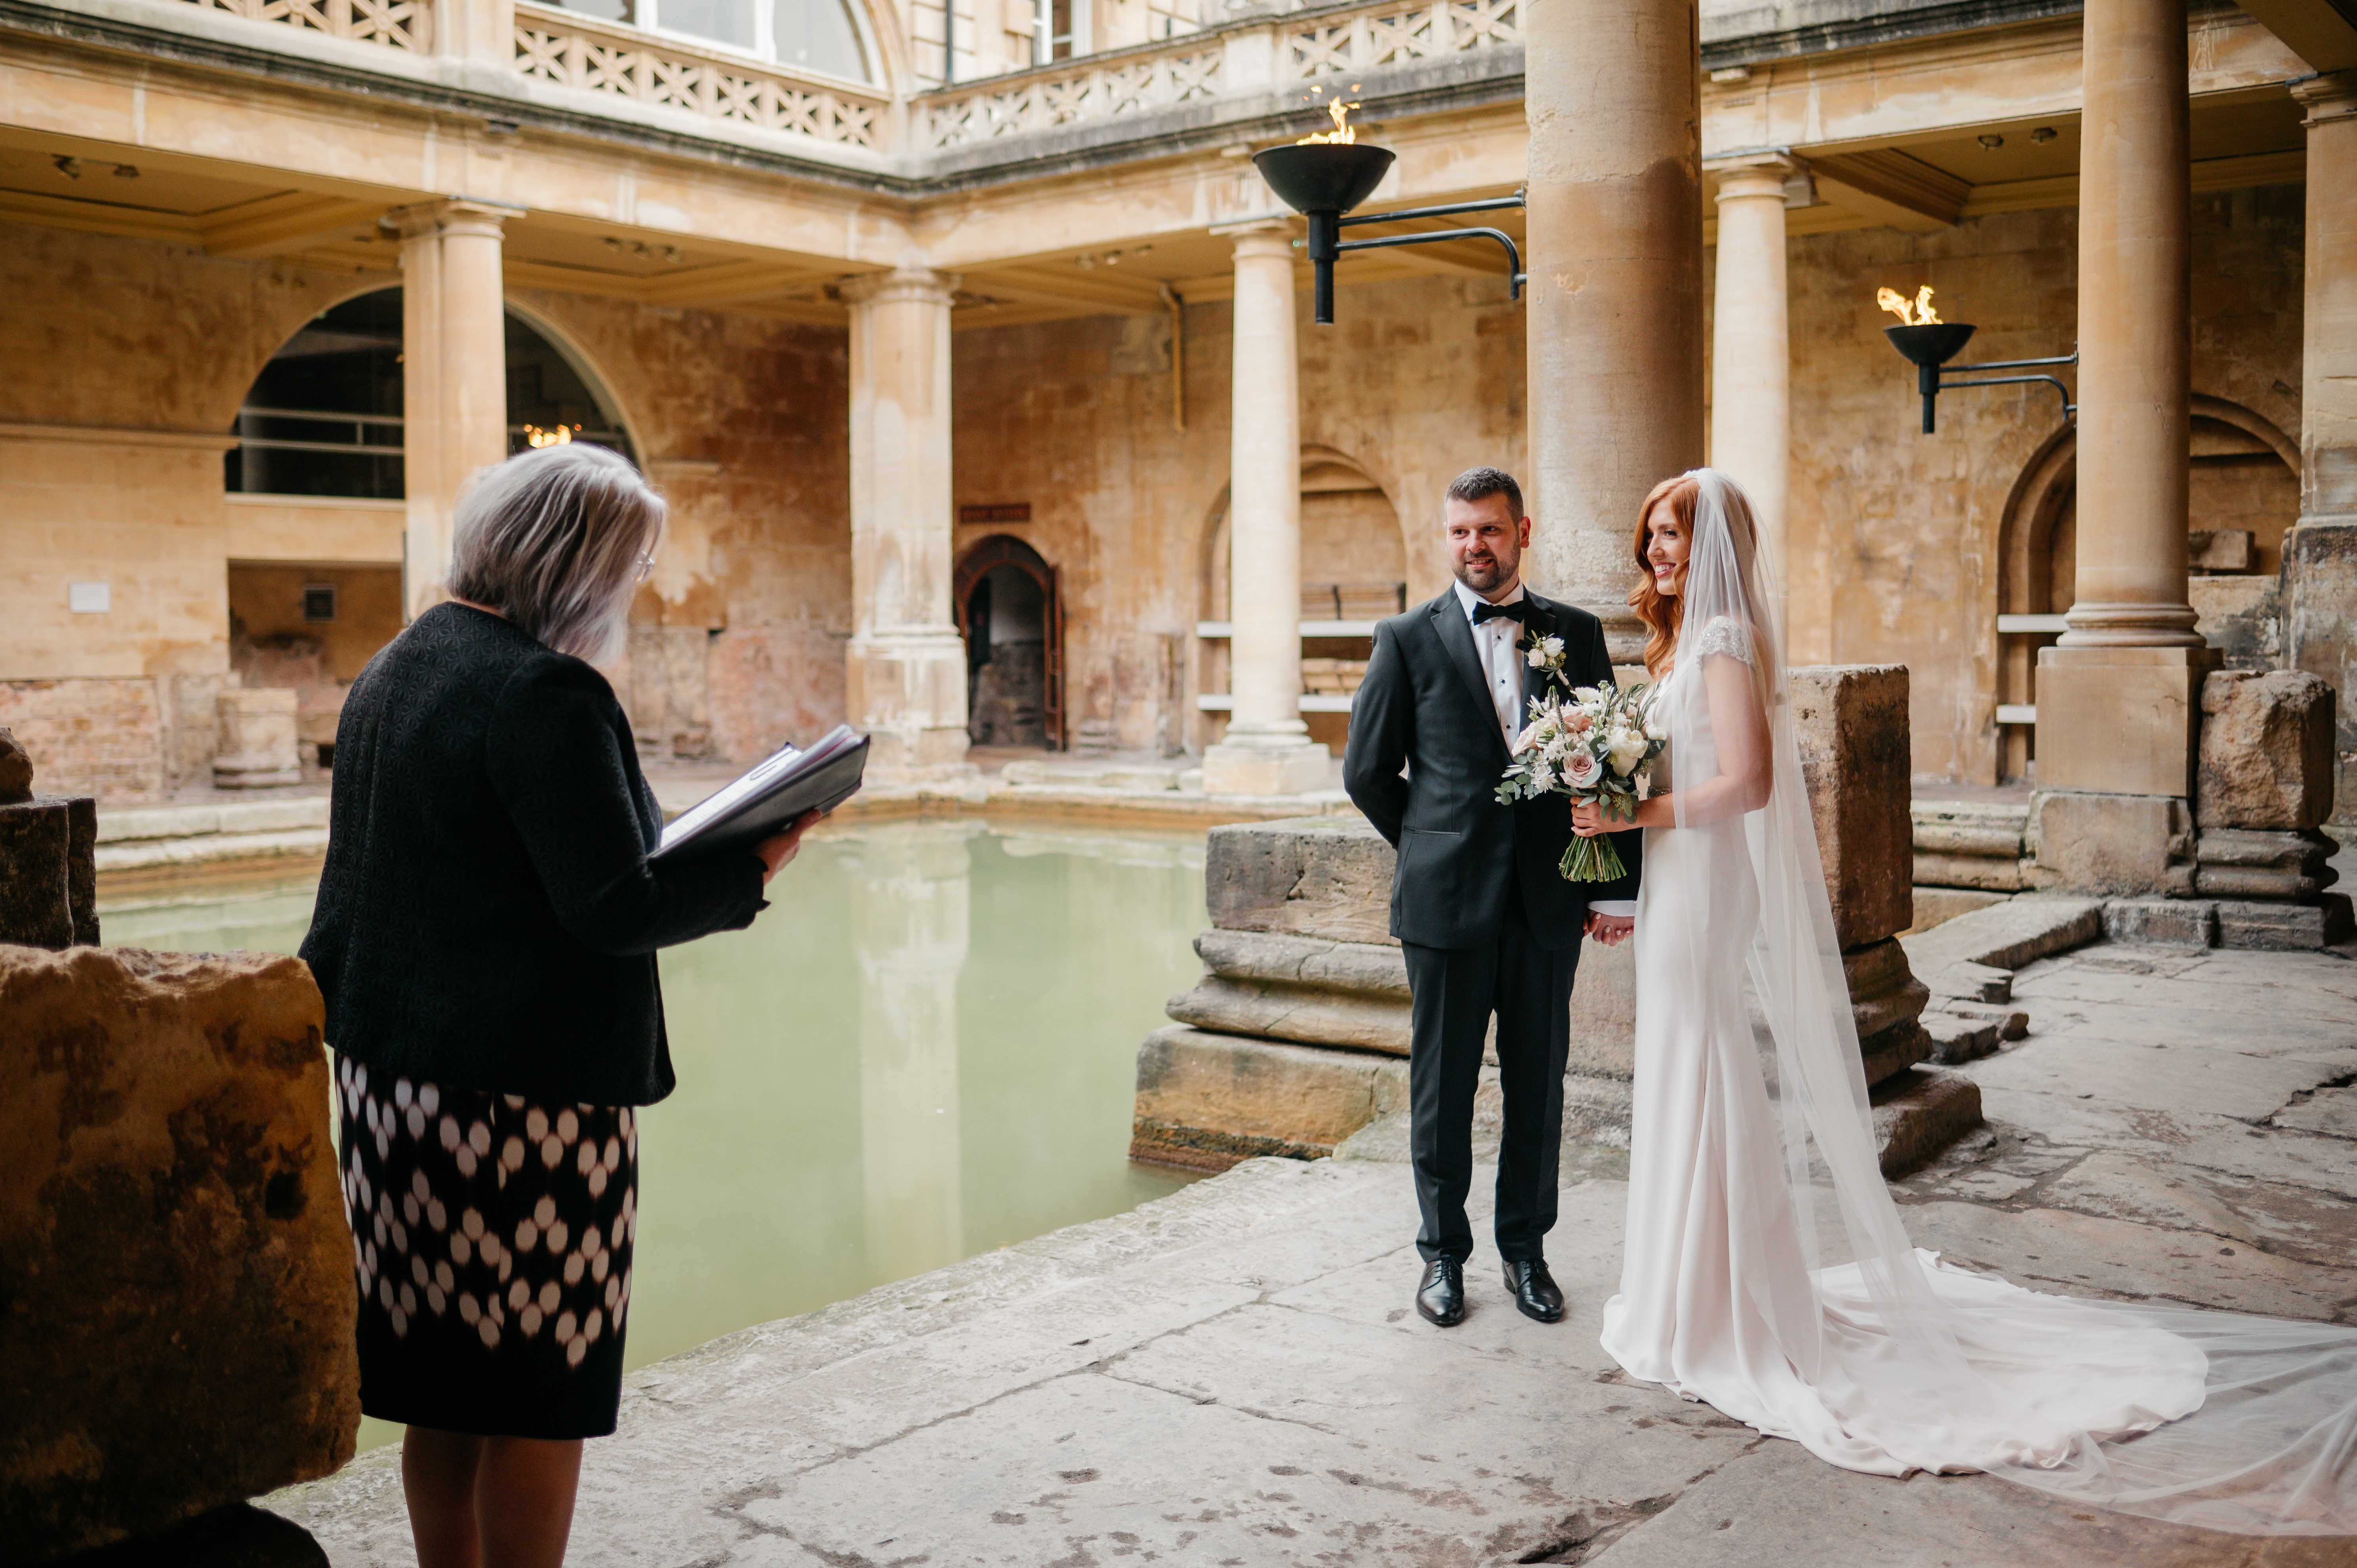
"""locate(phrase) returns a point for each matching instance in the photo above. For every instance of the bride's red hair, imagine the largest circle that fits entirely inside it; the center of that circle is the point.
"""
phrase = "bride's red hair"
(1658, 610)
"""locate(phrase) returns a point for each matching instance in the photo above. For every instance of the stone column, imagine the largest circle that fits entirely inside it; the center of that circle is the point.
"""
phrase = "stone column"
(2119, 701)
(905, 672)
(1267, 750)
(2320, 622)
(1750, 359)
(1615, 296)
(454, 373)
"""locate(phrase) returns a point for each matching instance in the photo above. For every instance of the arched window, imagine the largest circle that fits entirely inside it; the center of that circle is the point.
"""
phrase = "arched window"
(324, 418)
(813, 35)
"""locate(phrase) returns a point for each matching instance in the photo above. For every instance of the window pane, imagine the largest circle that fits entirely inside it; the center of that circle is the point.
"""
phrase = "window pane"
(623, 11)
(729, 21)
(820, 36)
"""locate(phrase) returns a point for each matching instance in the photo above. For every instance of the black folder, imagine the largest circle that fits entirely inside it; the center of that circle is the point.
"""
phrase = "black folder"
(770, 796)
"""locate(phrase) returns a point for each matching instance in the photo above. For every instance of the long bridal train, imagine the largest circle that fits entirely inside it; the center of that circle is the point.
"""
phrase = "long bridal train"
(1767, 1270)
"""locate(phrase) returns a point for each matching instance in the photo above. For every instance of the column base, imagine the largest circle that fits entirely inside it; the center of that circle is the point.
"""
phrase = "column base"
(1295, 768)
(2114, 844)
(906, 688)
(2120, 721)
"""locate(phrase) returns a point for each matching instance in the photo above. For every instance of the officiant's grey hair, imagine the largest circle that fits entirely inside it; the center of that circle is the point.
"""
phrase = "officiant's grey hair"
(553, 538)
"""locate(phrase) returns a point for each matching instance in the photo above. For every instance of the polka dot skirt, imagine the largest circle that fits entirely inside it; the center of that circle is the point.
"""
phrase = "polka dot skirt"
(491, 1239)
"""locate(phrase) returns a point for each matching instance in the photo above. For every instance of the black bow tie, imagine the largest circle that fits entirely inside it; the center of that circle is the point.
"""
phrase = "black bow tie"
(1519, 610)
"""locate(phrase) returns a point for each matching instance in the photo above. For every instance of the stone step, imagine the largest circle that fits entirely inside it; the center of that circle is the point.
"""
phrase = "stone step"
(2012, 1023)
(206, 848)
(1920, 1112)
(2007, 935)
(1955, 1040)
(279, 814)
(1307, 1014)
(1973, 982)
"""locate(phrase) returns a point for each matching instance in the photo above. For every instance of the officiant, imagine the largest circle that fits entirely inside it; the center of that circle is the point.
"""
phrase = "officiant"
(1488, 924)
(485, 937)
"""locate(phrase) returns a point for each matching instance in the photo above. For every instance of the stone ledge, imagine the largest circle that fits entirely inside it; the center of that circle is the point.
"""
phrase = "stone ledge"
(136, 854)
(2007, 935)
(213, 817)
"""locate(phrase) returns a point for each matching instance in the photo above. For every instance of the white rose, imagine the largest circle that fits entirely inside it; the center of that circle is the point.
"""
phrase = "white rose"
(1536, 655)
(1581, 770)
(1628, 749)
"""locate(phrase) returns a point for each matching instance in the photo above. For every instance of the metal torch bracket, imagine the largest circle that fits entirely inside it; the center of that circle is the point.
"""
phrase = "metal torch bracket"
(1327, 245)
(1931, 380)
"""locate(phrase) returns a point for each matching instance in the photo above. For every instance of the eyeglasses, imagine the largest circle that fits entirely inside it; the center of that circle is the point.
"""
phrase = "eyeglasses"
(646, 568)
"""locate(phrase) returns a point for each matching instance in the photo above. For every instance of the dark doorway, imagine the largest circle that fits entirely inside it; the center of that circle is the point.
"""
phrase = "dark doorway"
(1014, 638)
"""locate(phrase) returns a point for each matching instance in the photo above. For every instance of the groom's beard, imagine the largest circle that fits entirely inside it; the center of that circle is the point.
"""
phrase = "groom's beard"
(1486, 574)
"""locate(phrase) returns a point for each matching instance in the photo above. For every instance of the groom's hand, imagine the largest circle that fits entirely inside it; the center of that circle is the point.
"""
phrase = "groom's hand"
(1610, 929)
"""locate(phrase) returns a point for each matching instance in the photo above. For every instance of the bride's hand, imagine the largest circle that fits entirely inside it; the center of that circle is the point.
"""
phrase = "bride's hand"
(1587, 819)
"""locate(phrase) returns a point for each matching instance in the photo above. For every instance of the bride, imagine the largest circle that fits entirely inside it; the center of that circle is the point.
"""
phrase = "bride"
(1767, 1272)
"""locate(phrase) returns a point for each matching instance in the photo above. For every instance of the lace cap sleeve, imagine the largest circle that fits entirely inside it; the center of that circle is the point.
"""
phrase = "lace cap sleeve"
(1726, 635)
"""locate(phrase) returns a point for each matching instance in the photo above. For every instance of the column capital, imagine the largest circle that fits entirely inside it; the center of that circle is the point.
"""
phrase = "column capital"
(1751, 175)
(2333, 96)
(900, 286)
(1259, 236)
(454, 215)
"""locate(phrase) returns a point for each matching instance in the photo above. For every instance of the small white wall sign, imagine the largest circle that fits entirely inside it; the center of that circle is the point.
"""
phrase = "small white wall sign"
(89, 599)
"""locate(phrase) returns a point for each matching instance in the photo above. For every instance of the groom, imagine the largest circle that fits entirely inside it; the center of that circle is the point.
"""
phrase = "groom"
(1487, 922)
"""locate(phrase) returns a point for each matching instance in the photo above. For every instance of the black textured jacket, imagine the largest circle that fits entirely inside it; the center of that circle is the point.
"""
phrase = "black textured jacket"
(488, 917)
(1463, 853)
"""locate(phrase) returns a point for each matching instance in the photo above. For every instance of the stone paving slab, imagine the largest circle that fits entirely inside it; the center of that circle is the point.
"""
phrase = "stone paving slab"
(1779, 1505)
(1234, 1375)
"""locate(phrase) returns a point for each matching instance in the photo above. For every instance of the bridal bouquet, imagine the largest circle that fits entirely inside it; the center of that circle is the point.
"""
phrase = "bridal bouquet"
(1597, 744)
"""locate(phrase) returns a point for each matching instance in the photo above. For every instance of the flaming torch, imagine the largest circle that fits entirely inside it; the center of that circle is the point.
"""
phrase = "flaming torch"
(1928, 343)
(1324, 176)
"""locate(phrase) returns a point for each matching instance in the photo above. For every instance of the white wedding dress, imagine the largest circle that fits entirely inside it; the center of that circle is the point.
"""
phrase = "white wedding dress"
(1766, 1270)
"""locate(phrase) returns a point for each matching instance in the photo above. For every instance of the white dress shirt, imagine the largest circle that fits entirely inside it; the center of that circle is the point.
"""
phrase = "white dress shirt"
(1501, 666)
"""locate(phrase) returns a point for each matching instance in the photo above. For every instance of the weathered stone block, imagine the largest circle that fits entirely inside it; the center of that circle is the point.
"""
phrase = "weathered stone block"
(1308, 1013)
(2114, 844)
(49, 876)
(2007, 935)
(36, 905)
(2012, 1023)
(2120, 721)
(1322, 877)
(1970, 982)
(2266, 750)
(1895, 1050)
(1920, 1112)
(1937, 906)
(173, 1252)
(2321, 625)
(2240, 863)
(2283, 928)
(1368, 969)
(1851, 725)
(2241, 618)
(257, 738)
(2182, 922)
(1955, 1040)
(1883, 991)
(1210, 1100)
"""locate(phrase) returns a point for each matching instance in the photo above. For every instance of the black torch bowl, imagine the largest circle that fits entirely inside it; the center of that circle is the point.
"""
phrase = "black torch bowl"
(1323, 176)
(1933, 344)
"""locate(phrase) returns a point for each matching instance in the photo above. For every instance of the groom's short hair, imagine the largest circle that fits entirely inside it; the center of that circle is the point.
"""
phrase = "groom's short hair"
(1475, 484)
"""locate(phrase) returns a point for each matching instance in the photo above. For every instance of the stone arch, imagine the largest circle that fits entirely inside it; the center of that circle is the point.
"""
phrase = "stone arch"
(2037, 537)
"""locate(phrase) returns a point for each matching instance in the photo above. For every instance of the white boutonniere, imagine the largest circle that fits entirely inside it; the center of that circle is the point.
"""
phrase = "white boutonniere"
(1544, 654)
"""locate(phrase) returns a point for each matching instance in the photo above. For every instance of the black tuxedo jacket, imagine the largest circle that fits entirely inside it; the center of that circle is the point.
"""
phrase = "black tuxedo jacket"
(1463, 854)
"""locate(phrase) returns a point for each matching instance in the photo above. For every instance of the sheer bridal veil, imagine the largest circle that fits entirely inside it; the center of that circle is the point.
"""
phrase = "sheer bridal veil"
(2187, 1414)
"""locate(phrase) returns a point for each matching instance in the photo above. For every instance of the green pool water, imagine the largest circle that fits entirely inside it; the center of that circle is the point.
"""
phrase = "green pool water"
(923, 1050)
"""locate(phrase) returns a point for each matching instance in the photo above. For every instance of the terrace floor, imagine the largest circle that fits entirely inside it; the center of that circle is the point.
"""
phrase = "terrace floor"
(1234, 1376)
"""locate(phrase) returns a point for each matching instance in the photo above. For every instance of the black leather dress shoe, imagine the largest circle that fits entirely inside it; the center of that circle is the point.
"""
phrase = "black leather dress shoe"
(1441, 1296)
(1534, 1290)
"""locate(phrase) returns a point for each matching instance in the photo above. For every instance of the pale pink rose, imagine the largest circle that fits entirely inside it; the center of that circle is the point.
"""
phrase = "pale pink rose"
(1581, 770)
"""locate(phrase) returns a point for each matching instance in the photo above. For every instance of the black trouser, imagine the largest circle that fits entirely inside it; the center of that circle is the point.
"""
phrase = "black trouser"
(1454, 992)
